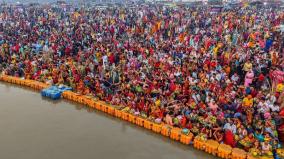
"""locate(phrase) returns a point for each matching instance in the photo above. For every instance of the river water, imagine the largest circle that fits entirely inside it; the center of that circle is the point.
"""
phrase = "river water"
(32, 127)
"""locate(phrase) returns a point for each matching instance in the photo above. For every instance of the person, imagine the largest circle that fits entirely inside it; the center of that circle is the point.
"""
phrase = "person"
(266, 148)
(249, 78)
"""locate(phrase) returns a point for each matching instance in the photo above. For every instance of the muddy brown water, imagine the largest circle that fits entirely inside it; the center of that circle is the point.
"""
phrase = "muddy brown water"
(32, 127)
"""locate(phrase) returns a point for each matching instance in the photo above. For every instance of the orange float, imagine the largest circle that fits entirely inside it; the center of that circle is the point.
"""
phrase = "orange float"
(224, 151)
(148, 124)
(80, 99)
(110, 110)
(175, 133)
(98, 106)
(9, 80)
(70, 95)
(140, 121)
(103, 107)
(156, 128)
(238, 154)
(211, 146)
(132, 118)
(251, 157)
(186, 139)
(89, 102)
(166, 130)
(17, 81)
(198, 143)
(65, 95)
(117, 113)
(76, 98)
(124, 116)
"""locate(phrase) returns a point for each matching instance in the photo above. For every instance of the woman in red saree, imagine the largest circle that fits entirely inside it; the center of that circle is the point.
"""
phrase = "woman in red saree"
(229, 138)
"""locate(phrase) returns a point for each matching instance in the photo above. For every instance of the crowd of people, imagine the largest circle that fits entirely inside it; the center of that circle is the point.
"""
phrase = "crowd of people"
(216, 75)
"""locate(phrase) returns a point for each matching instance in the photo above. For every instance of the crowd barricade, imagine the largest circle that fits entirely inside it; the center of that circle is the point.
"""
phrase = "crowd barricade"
(148, 124)
(117, 113)
(238, 154)
(186, 139)
(198, 143)
(224, 151)
(140, 121)
(166, 130)
(132, 118)
(211, 146)
(157, 128)
(175, 134)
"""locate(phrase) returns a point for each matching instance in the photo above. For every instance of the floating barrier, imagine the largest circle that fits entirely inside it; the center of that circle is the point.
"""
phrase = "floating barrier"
(110, 111)
(186, 139)
(98, 106)
(157, 128)
(238, 154)
(90, 102)
(166, 130)
(140, 121)
(198, 143)
(148, 124)
(132, 118)
(224, 151)
(175, 134)
(28, 83)
(124, 116)
(103, 108)
(209, 146)
(251, 157)
(117, 113)
(266, 157)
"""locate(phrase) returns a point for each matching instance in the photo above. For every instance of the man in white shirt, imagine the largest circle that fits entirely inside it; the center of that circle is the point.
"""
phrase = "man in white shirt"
(230, 126)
